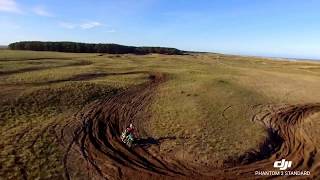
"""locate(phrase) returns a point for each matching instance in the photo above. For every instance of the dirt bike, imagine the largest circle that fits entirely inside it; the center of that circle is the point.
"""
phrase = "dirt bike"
(128, 140)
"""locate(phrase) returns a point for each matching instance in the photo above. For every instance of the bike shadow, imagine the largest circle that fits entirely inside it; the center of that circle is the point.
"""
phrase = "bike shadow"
(147, 142)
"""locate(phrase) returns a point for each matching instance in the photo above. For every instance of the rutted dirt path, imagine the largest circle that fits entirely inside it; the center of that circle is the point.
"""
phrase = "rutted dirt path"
(96, 132)
(93, 145)
(291, 136)
(32, 69)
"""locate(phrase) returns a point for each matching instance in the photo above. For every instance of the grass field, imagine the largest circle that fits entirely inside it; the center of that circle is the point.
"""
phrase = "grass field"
(205, 101)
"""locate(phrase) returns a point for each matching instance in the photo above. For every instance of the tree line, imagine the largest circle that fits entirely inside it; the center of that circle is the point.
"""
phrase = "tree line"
(75, 47)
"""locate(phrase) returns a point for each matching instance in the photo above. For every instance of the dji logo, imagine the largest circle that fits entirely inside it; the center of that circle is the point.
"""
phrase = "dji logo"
(283, 164)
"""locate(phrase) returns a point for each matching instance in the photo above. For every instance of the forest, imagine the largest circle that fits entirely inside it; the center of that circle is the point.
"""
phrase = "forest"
(76, 47)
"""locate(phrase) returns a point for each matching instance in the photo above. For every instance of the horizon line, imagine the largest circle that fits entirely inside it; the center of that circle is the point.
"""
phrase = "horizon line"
(256, 55)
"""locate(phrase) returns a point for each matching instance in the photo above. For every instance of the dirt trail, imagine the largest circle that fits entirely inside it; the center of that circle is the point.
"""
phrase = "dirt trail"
(287, 139)
(93, 146)
(32, 69)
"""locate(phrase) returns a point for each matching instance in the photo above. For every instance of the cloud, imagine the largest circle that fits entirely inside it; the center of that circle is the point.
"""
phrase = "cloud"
(86, 25)
(90, 25)
(41, 11)
(9, 6)
(67, 25)
(12, 6)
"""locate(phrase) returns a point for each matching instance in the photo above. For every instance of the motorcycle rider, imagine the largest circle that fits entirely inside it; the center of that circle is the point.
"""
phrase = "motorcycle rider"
(129, 133)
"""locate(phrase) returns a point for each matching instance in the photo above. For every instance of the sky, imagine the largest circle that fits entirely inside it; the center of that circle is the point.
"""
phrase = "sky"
(274, 28)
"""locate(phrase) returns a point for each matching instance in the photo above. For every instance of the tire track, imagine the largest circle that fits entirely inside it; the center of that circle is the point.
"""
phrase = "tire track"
(99, 142)
(288, 140)
(93, 138)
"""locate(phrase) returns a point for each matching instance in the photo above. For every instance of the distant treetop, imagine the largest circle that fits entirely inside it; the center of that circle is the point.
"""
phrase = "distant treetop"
(75, 47)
